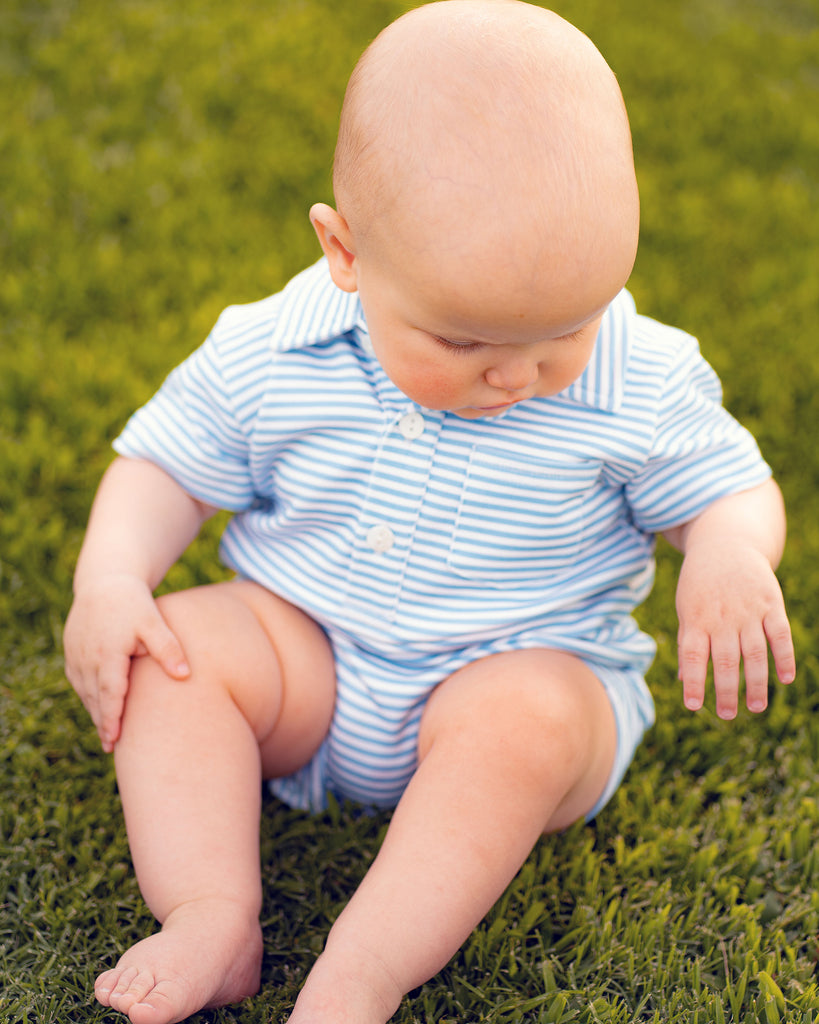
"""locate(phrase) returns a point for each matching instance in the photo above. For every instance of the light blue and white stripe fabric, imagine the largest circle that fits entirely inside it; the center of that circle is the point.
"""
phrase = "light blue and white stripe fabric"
(419, 540)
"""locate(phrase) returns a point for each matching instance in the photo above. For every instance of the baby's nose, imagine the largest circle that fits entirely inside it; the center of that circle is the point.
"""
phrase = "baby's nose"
(516, 372)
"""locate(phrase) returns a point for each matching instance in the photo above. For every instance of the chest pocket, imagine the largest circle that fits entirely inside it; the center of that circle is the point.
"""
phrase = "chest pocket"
(518, 520)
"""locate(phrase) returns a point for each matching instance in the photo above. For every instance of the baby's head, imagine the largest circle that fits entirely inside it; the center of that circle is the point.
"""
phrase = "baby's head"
(486, 201)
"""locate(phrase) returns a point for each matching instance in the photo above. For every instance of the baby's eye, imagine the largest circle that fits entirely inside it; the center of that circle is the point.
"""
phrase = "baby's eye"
(457, 346)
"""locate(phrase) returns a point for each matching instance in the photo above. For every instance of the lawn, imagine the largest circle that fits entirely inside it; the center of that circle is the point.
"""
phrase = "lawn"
(156, 164)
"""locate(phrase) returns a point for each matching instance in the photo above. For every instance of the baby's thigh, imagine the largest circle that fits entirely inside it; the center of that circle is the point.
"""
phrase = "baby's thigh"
(538, 713)
(272, 660)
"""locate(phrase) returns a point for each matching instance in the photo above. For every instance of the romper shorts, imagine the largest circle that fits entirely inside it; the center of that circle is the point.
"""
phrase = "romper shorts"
(369, 754)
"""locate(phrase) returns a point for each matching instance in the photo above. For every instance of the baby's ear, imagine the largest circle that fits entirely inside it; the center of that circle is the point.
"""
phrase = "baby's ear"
(336, 240)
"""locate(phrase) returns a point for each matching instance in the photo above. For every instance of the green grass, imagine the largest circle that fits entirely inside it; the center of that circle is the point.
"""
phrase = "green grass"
(157, 163)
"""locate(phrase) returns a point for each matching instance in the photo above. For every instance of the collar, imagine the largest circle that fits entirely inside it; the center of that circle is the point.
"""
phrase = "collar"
(313, 310)
(602, 384)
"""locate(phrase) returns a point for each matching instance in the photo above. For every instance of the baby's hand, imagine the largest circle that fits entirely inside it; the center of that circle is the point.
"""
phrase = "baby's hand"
(731, 608)
(112, 620)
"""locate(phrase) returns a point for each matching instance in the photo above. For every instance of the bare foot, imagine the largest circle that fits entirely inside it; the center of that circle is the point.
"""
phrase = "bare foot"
(208, 954)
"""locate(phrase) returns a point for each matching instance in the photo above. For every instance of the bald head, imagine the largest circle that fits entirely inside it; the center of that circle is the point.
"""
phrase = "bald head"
(479, 120)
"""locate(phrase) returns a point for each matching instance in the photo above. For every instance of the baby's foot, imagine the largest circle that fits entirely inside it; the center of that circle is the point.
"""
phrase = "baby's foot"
(208, 954)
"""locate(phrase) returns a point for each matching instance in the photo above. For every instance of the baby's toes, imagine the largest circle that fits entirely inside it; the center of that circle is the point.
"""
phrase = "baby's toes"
(110, 981)
(104, 985)
(131, 987)
(159, 1004)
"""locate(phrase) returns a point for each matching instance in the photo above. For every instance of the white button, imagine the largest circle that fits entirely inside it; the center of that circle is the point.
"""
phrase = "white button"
(380, 538)
(411, 425)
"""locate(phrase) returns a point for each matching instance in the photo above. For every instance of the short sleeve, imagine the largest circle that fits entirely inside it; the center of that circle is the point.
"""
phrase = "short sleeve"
(191, 430)
(699, 452)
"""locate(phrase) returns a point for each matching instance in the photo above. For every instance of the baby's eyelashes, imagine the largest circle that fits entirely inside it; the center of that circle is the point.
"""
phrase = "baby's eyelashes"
(457, 346)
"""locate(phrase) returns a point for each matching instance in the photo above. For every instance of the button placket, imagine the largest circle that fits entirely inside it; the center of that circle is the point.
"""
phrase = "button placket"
(399, 475)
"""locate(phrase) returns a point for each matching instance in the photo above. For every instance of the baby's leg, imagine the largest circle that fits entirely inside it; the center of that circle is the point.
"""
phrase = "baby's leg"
(189, 766)
(510, 747)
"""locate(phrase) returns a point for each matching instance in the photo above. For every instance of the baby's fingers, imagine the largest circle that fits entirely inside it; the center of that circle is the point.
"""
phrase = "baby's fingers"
(723, 650)
(778, 631)
(694, 650)
(755, 663)
(157, 640)
(112, 688)
(725, 657)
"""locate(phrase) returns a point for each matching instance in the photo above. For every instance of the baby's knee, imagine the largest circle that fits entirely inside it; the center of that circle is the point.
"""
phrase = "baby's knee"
(224, 645)
(219, 633)
(538, 707)
(538, 722)
(270, 659)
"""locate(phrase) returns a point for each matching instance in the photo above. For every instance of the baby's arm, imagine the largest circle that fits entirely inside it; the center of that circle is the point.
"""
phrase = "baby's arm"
(141, 522)
(729, 603)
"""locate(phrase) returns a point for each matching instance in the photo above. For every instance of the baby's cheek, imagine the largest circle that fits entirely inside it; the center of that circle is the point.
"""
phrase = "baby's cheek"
(434, 388)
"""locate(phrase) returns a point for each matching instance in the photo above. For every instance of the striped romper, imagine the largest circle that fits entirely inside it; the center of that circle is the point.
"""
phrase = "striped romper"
(421, 541)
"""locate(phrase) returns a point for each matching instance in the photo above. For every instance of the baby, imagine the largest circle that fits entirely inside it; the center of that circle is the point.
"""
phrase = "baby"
(448, 446)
